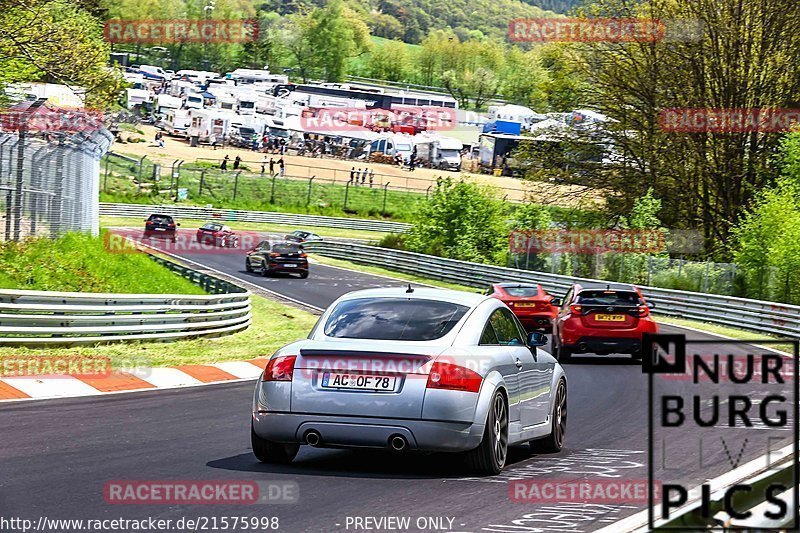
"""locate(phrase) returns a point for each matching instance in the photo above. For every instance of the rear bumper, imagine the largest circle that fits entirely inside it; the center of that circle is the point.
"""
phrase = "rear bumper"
(368, 432)
(277, 267)
(606, 345)
(536, 321)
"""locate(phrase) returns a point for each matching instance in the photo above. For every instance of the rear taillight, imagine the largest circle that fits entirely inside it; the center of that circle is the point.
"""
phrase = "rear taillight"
(274, 254)
(280, 368)
(643, 310)
(453, 377)
(575, 309)
(303, 255)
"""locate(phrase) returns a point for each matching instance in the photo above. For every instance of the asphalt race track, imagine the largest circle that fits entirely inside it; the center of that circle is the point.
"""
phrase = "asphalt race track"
(57, 455)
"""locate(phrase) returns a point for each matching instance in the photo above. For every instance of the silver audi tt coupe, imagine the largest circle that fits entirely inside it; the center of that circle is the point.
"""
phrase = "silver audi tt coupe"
(412, 369)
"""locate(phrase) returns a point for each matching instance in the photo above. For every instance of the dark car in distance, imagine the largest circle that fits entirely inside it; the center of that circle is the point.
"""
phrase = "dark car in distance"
(162, 226)
(302, 236)
(269, 258)
(217, 234)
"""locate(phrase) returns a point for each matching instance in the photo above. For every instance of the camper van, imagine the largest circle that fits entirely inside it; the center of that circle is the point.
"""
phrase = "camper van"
(153, 72)
(165, 102)
(435, 151)
(176, 122)
(193, 101)
(393, 145)
(208, 122)
(196, 76)
(136, 97)
(243, 76)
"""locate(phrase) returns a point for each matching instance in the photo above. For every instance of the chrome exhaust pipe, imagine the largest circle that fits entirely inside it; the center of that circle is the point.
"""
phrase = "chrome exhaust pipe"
(582, 347)
(313, 437)
(398, 443)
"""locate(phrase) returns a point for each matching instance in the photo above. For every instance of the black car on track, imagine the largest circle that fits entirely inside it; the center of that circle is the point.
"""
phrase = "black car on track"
(269, 258)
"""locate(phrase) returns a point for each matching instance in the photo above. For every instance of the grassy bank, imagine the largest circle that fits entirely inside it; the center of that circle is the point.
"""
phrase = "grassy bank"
(274, 325)
(81, 263)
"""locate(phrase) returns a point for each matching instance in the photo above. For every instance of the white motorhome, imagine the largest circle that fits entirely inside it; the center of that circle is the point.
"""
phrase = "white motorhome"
(393, 144)
(165, 102)
(136, 97)
(246, 103)
(208, 122)
(176, 122)
(246, 76)
(436, 151)
(196, 76)
(193, 101)
(153, 71)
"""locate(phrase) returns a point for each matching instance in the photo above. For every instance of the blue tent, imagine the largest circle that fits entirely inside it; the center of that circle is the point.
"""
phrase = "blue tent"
(208, 95)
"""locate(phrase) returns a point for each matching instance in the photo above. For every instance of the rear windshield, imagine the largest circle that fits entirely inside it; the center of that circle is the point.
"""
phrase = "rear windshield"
(604, 297)
(286, 248)
(161, 219)
(522, 292)
(212, 227)
(393, 319)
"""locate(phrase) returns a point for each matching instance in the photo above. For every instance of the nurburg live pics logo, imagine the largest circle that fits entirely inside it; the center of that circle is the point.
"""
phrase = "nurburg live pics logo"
(728, 423)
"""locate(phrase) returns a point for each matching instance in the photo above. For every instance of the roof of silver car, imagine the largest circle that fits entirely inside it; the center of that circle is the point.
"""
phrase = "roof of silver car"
(420, 293)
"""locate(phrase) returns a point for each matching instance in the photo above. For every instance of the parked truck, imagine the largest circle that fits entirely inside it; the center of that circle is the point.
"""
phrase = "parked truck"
(438, 152)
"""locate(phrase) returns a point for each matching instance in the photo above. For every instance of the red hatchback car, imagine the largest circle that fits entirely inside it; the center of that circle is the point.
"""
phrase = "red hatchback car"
(529, 302)
(601, 319)
(217, 234)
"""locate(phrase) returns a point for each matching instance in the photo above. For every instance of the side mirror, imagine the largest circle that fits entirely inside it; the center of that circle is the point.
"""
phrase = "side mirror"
(178, 224)
(558, 302)
(651, 305)
(536, 339)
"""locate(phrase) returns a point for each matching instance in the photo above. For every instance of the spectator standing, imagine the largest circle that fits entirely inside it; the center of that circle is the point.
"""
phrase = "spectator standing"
(364, 176)
(213, 140)
(371, 178)
(224, 164)
(236, 162)
(281, 167)
(352, 174)
(264, 165)
(271, 166)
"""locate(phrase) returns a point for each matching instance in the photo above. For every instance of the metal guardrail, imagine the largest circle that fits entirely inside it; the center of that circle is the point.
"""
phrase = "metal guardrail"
(289, 219)
(755, 315)
(46, 318)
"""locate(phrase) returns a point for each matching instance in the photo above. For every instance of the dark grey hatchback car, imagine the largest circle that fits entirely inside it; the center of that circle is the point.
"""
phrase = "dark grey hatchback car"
(269, 258)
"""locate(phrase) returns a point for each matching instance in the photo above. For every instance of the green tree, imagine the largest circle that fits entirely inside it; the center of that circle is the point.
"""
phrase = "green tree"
(462, 221)
(389, 61)
(337, 33)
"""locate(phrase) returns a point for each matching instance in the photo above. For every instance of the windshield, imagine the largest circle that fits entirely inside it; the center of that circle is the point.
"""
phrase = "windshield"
(450, 153)
(522, 292)
(404, 147)
(278, 133)
(212, 227)
(393, 319)
(286, 248)
(608, 297)
(160, 219)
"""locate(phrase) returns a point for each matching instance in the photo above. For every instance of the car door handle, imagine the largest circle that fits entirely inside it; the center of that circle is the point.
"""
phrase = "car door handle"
(519, 364)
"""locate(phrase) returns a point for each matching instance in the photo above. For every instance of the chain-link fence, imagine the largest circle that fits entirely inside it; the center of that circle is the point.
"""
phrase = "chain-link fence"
(49, 176)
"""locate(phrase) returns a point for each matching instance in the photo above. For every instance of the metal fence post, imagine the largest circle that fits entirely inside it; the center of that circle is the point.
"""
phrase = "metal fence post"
(427, 191)
(105, 177)
(272, 192)
(202, 178)
(346, 192)
(385, 191)
(139, 172)
(310, 182)
(705, 281)
(236, 184)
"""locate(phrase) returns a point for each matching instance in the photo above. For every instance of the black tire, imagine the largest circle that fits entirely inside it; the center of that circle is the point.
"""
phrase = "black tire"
(265, 270)
(562, 355)
(247, 266)
(267, 451)
(558, 430)
(303, 275)
(490, 456)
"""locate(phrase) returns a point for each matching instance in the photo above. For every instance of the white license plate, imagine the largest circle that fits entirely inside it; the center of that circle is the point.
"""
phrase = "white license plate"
(289, 266)
(161, 229)
(335, 380)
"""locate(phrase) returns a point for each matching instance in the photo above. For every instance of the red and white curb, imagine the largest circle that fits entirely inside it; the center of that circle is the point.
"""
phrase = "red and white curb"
(20, 388)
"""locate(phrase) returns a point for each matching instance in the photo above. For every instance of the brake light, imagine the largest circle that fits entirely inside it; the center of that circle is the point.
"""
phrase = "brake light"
(171, 224)
(303, 255)
(643, 310)
(453, 377)
(280, 368)
(274, 254)
(575, 309)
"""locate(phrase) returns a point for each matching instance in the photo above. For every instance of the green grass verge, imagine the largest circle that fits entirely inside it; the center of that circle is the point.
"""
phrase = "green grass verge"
(329, 261)
(255, 226)
(81, 263)
(253, 191)
(274, 325)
